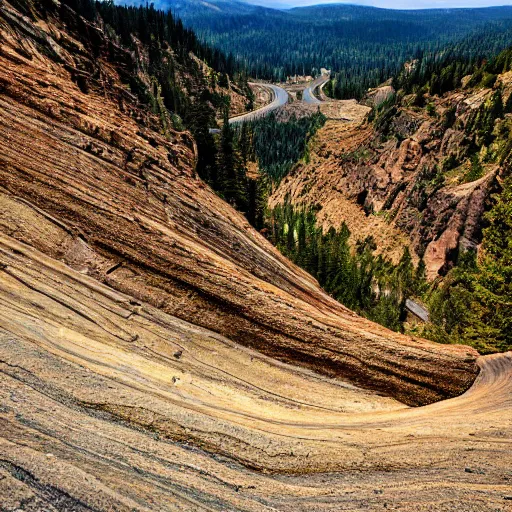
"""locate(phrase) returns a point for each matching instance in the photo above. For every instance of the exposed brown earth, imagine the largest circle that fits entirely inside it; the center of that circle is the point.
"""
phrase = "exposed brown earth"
(377, 96)
(123, 206)
(384, 184)
(110, 405)
(147, 331)
(325, 184)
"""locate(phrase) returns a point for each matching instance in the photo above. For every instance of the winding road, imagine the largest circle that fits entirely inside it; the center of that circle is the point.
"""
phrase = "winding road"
(308, 96)
(280, 98)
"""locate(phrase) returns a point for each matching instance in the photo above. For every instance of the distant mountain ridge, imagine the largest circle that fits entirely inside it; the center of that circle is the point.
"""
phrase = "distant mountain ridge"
(185, 8)
(362, 45)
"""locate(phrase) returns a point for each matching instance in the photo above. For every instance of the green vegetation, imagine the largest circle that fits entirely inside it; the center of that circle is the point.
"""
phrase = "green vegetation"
(227, 171)
(440, 63)
(278, 146)
(155, 28)
(437, 74)
(434, 74)
(363, 46)
(367, 284)
(481, 124)
(271, 146)
(473, 305)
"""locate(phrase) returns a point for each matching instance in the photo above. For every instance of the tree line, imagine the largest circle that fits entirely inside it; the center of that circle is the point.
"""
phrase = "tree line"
(368, 284)
(266, 146)
(362, 46)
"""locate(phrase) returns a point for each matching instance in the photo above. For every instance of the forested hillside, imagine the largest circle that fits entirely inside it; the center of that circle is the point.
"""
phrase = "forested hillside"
(473, 304)
(363, 46)
(433, 161)
(355, 276)
(177, 75)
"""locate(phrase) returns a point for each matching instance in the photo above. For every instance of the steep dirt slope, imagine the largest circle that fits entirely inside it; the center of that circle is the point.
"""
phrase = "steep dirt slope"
(114, 396)
(326, 183)
(107, 404)
(87, 184)
(403, 178)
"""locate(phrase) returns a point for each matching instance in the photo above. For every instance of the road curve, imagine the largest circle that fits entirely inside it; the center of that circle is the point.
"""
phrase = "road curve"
(280, 99)
(308, 95)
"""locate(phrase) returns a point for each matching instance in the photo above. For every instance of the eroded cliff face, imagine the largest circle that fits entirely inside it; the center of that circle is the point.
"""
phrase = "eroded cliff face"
(131, 301)
(403, 178)
(88, 179)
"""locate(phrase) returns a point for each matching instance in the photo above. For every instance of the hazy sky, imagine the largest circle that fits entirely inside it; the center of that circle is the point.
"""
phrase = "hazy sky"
(393, 4)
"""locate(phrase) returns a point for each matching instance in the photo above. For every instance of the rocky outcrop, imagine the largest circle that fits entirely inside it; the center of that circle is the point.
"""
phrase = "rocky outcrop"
(376, 97)
(402, 179)
(453, 221)
(132, 300)
(342, 189)
(87, 180)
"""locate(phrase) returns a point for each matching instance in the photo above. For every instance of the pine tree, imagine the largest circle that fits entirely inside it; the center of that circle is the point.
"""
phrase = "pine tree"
(230, 165)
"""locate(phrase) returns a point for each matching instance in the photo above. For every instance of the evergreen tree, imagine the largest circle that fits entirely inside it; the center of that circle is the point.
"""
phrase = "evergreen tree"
(474, 304)
(231, 172)
(370, 285)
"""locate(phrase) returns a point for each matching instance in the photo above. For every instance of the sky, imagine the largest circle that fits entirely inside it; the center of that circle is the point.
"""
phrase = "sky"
(390, 4)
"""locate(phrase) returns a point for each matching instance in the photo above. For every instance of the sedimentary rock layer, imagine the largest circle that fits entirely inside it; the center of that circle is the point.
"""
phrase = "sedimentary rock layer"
(86, 179)
(110, 404)
(138, 312)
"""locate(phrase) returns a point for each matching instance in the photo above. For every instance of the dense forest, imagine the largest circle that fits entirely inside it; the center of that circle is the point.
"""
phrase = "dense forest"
(473, 305)
(170, 79)
(365, 283)
(280, 145)
(363, 46)
(266, 145)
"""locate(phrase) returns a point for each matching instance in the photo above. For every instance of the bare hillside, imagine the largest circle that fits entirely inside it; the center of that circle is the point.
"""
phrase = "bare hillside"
(157, 353)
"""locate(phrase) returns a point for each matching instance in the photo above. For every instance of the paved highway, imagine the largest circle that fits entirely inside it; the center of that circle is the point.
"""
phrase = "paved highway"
(280, 99)
(308, 96)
